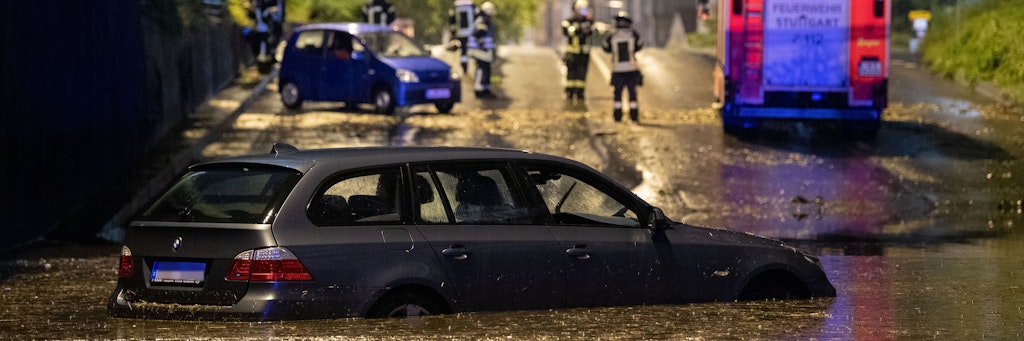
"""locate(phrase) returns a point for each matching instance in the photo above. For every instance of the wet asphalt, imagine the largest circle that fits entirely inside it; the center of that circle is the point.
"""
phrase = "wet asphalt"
(918, 229)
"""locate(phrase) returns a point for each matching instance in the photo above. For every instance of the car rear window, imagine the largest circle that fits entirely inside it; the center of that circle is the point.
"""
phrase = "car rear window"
(225, 194)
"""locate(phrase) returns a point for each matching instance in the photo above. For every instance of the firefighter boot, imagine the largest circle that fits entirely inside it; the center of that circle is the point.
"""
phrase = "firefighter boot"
(634, 114)
(617, 115)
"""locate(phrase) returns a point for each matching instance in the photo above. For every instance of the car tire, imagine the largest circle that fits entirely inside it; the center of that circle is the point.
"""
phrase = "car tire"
(291, 97)
(775, 285)
(445, 107)
(405, 303)
(383, 101)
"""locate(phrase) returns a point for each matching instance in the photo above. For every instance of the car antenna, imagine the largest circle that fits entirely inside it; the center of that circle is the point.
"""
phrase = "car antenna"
(281, 148)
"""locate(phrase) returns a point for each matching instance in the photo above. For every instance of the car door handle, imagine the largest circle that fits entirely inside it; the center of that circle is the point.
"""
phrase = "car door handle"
(456, 252)
(579, 251)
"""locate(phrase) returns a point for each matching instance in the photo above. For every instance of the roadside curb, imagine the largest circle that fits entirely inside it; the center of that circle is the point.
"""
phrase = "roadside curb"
(987, 89)
(178, 162)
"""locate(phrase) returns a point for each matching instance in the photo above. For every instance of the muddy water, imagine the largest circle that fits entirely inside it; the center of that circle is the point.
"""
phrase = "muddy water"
(967, 290)
(933, 205)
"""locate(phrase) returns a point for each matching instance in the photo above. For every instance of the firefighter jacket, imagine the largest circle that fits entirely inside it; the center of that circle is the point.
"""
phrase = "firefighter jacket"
(623, 45)
(577, 30)
(482, 42)
(461, 18)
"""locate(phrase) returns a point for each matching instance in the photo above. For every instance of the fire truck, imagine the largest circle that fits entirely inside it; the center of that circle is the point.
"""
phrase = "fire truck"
(802, 60)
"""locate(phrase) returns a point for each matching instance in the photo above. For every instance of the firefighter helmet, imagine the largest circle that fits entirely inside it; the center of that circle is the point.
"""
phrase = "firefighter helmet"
(581, 7)
(623, 17)
(488, 8)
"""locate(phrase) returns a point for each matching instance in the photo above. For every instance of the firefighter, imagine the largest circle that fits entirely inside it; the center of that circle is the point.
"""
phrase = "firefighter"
(482, 48)
(460, 23)
(268, 16)
(577, 30)
(623, 44)
(378, 12)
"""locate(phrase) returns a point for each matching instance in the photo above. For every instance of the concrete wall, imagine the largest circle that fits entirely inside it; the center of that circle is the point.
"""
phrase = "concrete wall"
(88, 87)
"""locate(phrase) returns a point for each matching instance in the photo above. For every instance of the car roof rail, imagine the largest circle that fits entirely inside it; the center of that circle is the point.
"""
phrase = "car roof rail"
(282, 148)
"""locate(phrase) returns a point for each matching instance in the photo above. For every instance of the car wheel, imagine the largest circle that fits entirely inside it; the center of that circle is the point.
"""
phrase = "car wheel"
(384, 102)
(290, 95)
(775, 285)
(405, 303)
(444, 108)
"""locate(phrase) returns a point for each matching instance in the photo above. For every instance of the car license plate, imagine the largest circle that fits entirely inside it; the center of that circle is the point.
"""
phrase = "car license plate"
(178, 273)
(439, 93)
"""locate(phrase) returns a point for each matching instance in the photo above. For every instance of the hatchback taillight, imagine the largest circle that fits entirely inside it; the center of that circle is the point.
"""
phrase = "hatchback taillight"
(127, 266)
(267, 265)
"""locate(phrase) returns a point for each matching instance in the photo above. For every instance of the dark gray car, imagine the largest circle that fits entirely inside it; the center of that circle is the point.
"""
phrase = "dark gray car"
(401, 231)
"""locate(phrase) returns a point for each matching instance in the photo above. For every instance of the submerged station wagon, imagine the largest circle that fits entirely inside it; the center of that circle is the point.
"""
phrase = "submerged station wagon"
(359, 63)
(404, 231)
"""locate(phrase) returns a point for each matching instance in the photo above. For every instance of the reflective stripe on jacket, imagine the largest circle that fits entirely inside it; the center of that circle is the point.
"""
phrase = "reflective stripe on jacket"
(622, 45)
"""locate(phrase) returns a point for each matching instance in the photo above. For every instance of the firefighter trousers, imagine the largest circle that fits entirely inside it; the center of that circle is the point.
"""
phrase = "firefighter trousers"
(576, 74)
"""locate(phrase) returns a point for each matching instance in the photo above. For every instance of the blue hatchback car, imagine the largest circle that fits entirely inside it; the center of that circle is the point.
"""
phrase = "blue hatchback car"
(358, 63)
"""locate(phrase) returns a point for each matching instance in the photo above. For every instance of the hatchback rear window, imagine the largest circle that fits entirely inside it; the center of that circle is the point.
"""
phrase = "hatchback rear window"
(236, 194)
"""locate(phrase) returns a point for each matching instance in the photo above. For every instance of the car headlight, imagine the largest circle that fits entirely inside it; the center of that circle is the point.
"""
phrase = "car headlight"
(406, 76)
(455, 76)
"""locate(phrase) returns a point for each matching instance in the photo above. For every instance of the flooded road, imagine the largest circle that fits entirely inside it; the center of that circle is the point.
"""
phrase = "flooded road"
(967, 291)
(918, 230)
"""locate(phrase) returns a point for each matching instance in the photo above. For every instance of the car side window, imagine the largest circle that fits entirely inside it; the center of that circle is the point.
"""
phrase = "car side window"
(431, 202)
(310, 41)
(357, 46)
(341, 45)
(363, 198)
(575, 199)
(470, 194)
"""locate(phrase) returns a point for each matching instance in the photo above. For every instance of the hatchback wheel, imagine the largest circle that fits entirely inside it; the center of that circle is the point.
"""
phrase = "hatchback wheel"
(384, 102)
(405, 304)
(290, 95)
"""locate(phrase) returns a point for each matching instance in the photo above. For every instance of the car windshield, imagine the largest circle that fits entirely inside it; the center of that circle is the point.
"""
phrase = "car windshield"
(235, 194)
(392, 44)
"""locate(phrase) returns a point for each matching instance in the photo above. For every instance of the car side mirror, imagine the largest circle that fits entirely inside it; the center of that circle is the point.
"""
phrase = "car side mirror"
(358, 55)
(656, 219)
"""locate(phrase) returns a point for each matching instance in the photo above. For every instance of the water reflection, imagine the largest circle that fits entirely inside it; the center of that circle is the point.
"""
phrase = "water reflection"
(809, 196)
(916, 182)
(948, 291)
(809, 202)
(867, 313)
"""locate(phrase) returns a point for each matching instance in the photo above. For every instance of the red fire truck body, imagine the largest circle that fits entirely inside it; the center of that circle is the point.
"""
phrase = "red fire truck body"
(802, 60)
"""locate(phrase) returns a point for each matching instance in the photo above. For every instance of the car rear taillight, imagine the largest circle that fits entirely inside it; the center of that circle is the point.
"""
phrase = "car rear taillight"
(267, 265)
(127, 266)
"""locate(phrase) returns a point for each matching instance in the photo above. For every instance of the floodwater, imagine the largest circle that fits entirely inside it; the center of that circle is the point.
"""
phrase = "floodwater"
(957, 273)
(965, 290)
(919, 231)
